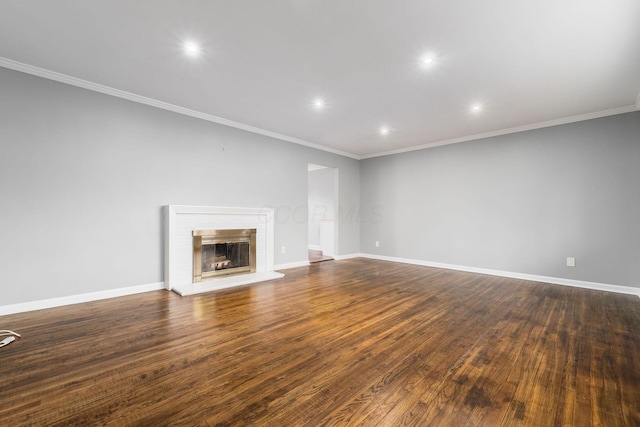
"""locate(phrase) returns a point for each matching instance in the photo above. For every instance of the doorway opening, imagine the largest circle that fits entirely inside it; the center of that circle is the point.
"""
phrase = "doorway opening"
(323, 212)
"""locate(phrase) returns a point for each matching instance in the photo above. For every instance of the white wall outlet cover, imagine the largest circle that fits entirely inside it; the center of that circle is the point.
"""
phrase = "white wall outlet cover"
(571, 261)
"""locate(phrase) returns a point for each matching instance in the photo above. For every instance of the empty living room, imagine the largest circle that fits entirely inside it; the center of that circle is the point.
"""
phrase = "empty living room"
(314, 213)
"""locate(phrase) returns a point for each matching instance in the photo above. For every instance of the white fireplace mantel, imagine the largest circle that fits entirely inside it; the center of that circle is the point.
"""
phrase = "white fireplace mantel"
(180, 221)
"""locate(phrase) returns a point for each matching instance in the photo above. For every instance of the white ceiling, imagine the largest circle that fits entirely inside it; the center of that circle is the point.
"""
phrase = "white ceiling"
(529, 63)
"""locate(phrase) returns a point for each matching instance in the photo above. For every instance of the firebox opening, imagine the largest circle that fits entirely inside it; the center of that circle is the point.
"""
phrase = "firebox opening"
(223, 252)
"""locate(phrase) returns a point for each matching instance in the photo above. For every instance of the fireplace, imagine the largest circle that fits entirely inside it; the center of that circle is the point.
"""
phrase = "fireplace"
(223, 252)
(184, 223)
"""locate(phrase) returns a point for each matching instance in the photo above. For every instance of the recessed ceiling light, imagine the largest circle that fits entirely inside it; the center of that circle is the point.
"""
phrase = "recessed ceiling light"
(319, 103)
(384, 130)
(476, 108)
(192, 49)
(428, 60)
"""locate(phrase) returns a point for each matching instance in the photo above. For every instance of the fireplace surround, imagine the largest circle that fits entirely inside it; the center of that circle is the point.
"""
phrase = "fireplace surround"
(181, 221)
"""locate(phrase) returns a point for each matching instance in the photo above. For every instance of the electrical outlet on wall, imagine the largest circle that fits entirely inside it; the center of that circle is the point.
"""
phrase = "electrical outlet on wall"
(283, 250)
(571, 261)
(377, 244)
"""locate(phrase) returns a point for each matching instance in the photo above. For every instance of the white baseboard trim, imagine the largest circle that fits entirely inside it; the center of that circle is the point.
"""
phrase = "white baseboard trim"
(315, 247)
(546, 279)
(75, 299)
(306, 263)
(347, 256)
(112, 293)
(291, 265)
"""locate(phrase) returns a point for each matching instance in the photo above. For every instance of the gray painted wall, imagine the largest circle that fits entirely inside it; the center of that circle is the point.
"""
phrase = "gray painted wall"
(83, 177)
(518, 203)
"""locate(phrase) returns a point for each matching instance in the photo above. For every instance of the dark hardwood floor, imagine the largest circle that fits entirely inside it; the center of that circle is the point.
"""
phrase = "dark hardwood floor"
(353, 342)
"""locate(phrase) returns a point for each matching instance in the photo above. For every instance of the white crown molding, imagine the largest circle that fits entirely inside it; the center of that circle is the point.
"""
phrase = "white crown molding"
(545, 279)
(532, 126)
(85, 84)
(76, 299)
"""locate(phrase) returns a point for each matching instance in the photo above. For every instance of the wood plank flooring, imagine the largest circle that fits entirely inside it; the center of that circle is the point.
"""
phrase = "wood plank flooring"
(353, 342)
